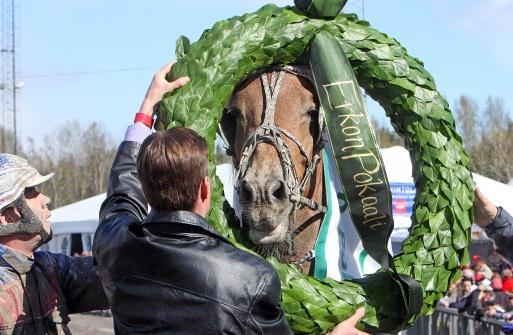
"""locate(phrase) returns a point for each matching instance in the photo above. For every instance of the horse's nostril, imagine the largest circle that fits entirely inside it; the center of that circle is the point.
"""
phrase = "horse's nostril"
(245, 191)
(278, 190)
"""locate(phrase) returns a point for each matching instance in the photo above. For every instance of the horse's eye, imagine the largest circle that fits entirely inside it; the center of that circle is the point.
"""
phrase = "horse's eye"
(313, 113)
(234, 111)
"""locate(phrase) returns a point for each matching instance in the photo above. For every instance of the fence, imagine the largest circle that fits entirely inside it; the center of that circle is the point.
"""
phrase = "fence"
(447, 321)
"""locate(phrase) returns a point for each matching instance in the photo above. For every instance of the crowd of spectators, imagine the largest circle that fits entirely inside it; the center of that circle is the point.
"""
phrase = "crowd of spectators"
(485, 289)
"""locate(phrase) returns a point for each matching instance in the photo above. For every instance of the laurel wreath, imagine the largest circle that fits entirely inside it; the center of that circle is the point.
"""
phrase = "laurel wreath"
(437, 244)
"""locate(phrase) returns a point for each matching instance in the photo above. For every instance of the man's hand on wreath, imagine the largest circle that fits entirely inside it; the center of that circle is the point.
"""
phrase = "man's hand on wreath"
(484, 210)
(348, 327)
(158, 87)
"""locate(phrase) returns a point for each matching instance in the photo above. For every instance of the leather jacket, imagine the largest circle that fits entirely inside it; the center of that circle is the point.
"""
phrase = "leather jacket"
(500, 230)
(172, 273)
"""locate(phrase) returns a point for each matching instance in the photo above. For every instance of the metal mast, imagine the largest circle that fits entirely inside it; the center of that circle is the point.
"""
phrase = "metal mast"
(8, 76)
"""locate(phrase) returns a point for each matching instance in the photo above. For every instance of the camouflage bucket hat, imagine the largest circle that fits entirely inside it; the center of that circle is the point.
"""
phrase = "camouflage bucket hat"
(15, 176)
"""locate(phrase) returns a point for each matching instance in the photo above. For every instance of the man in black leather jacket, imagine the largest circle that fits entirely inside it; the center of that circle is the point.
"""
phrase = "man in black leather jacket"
(170, 272)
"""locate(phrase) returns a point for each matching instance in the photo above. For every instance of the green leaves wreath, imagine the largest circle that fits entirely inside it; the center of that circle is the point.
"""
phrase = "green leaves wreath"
(437, 244)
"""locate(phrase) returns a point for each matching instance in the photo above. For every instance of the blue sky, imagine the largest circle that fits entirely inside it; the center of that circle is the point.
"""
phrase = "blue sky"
(465, 45)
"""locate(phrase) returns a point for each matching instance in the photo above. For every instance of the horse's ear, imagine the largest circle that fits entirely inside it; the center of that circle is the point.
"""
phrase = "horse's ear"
(317, 127)
(226, 130)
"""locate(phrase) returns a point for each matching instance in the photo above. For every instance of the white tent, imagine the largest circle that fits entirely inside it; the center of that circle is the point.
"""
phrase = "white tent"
(77, 218)
(399, 169)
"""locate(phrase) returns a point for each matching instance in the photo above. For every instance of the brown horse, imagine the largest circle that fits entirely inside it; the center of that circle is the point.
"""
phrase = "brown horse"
(273, 128)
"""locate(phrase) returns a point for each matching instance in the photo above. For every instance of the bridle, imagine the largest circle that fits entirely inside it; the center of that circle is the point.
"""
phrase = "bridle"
(269, 132)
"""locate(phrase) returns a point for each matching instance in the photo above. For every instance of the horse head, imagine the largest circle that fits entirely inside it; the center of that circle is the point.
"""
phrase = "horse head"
(272, 126)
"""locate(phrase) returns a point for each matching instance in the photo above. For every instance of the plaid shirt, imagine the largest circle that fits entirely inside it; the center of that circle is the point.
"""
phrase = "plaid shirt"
(36, 295)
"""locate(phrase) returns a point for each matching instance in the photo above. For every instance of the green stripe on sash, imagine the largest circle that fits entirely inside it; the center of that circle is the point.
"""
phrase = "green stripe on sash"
(320, 267)
(363, 255)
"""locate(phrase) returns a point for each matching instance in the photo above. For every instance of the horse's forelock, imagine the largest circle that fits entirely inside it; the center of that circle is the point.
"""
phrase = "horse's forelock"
(300, 70)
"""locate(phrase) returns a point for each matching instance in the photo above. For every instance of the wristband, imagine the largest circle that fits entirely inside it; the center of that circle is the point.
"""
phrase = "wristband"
(145, 119)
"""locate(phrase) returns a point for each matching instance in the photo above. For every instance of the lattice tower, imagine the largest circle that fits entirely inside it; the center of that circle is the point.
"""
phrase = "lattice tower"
(7, 76)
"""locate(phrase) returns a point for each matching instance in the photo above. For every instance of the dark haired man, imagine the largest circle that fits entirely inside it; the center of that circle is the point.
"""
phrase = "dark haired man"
(37, 289)
(170, 272)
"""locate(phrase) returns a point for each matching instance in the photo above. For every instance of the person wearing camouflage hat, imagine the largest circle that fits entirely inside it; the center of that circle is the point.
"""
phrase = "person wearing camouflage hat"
(38, 289)
(24, 210)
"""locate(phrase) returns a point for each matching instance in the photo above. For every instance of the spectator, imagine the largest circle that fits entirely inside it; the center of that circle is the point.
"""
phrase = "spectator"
(499, 296)
(494, 310)
(478, 275)
(490, 303)
(466, 303)
(507, 280)
(485, 299)
(509, 308)
(482, 268)
(484, 282)
(507, 314)
(38, 289)
(453, 294)
(496, 282)
(467, 272)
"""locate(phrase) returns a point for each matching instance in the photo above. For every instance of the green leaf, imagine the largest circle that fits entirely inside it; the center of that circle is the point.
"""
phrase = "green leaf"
(404, 83)
(443, 280)
(444, 237)
(421, 214)
(460, 240)
(429, 278)
(437, 140)
(321, 8)
(425, 94)
(183, 46)
(430, 241)
(429, 173)
(438, 257)
(436, 221)
(452, 257)
(437, 203)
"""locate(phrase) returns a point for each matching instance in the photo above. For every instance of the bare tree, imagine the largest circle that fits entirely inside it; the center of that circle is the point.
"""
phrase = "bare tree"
(467, 112)
(7, 141)
(495, 154)
(79, 157)
(98, 149)
(385, 135)
(488, 137)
